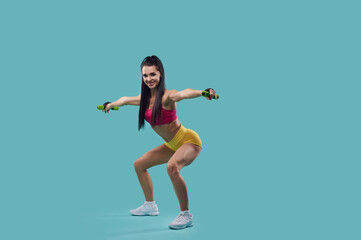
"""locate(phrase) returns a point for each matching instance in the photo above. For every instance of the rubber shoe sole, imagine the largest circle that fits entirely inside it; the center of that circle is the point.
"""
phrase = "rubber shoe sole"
(146, 214)
(181, 226)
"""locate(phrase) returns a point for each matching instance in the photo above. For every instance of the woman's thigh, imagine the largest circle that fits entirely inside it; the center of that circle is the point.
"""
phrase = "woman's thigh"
(185, 155)
(156, 156)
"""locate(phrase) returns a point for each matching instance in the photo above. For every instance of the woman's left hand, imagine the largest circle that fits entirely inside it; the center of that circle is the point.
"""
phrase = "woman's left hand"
(212, 94)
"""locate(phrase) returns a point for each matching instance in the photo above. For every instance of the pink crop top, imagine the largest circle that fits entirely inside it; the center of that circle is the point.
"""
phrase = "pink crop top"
(168, 116)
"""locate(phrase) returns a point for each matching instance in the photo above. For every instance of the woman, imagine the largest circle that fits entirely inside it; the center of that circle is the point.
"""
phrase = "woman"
(181, 147)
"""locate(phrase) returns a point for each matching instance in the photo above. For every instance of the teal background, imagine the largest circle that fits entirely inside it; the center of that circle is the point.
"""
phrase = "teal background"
(281, 156)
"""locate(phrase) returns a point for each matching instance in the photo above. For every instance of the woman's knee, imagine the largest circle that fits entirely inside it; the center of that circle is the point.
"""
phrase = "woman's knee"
(172, 169)
(139, 165)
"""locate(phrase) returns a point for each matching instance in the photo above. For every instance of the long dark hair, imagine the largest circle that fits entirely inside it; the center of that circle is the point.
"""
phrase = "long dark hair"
(145, 95)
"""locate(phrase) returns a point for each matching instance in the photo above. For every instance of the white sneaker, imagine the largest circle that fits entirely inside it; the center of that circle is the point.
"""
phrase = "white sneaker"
(183, 220)
(147, 209)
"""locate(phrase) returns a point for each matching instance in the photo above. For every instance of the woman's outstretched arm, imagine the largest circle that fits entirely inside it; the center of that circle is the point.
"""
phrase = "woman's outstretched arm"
(188, 93)
(122, 102)
(126, 101)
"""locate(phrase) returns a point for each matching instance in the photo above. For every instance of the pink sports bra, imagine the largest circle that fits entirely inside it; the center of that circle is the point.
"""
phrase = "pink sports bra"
(168, 116)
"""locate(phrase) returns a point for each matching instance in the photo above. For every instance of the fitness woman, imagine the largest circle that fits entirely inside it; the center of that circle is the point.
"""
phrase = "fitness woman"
(181, 147)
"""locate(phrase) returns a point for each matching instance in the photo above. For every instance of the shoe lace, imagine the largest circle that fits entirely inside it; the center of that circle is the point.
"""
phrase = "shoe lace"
(180, 217)
(141, 207)
(145, 206)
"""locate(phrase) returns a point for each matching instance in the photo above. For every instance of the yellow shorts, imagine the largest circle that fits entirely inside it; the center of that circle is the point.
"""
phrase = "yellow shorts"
(184, 135)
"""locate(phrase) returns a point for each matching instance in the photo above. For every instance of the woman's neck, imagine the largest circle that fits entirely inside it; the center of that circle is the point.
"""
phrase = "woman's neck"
(153, 92)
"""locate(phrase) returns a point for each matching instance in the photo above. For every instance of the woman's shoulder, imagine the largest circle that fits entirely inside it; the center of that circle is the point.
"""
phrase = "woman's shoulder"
(168, 92)
(167, 102)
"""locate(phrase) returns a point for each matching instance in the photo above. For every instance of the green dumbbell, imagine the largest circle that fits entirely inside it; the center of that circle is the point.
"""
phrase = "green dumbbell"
(206, 94)
(102, 107)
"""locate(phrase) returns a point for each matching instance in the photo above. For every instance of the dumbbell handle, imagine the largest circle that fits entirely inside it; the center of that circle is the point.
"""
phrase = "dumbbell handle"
(206, 94)
(101, 107)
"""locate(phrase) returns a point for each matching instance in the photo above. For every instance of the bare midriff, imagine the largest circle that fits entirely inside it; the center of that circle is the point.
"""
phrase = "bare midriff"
(167, 131)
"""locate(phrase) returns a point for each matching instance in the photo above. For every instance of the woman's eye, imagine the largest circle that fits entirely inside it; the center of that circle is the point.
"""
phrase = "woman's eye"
(152, 74)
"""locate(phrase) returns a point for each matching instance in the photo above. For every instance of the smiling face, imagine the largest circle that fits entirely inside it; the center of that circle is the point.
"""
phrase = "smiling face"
(151, 76)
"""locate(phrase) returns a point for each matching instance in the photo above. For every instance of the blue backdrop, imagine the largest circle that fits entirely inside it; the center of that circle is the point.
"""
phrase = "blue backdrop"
(281, 156)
